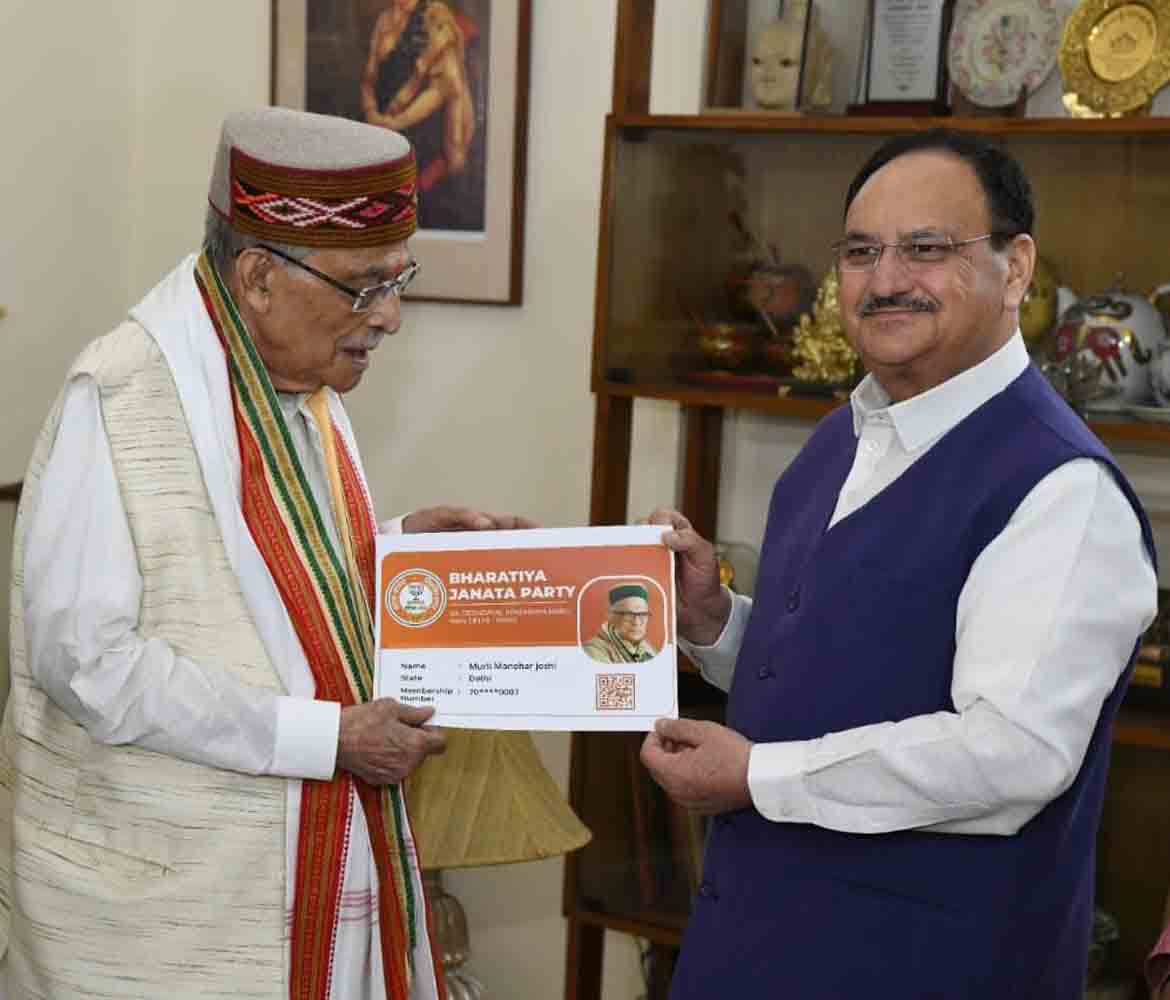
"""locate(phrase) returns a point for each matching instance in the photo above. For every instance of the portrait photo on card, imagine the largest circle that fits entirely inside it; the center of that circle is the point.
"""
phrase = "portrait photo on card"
(621, 619)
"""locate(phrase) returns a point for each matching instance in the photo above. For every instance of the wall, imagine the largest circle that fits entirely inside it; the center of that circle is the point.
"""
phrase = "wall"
(65, 171)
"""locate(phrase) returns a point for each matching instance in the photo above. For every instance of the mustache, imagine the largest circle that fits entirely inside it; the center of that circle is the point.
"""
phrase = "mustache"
(876, 303)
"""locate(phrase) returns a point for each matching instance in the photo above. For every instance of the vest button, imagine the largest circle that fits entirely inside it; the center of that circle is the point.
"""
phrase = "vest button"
(793, 600)
(765, 672)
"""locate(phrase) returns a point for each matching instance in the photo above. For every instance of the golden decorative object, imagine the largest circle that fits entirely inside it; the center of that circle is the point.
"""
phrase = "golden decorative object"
(1078, 110)
(822, 351)
(726, 573)
(1114, 56)
(1038, 311)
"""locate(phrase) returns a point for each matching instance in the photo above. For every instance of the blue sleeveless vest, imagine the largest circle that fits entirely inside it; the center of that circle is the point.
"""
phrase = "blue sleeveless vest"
(856, 626)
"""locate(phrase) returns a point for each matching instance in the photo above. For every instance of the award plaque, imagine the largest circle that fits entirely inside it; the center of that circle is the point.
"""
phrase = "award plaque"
(1114, 56)
(905, 64)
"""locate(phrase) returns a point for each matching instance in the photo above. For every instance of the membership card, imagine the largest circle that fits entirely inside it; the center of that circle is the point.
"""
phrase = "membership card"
(548, 629)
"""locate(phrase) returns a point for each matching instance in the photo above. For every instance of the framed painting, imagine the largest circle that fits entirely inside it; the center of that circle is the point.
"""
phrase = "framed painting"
(450, 75)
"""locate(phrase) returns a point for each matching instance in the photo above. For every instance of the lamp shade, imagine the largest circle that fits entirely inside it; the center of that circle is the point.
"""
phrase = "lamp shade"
(488, 801)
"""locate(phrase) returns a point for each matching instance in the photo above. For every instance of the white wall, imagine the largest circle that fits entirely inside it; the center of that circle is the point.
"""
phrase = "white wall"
(65, 95)
(193, 63)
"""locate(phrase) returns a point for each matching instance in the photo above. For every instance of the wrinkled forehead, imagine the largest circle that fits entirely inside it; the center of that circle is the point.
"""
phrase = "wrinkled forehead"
(387, 259)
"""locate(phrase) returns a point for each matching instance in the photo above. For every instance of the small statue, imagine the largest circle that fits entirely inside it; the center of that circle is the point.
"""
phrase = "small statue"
(776, 61)
(823, 353)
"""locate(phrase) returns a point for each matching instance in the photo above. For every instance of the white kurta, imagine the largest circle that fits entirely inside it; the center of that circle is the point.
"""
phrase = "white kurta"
(123, 689)
(1046, 622)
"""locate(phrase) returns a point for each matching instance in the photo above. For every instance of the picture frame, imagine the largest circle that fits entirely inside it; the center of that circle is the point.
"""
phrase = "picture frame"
(453, 77)
(904, 62)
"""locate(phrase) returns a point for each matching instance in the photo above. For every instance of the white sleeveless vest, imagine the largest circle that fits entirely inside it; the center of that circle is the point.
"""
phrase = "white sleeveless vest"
(126, 873)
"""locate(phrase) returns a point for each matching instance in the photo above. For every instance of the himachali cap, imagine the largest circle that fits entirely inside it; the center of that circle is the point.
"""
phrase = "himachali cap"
(314, 180)
(628, 590)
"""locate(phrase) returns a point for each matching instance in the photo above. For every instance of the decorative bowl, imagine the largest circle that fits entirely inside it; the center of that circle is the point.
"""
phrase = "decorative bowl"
(729, 346)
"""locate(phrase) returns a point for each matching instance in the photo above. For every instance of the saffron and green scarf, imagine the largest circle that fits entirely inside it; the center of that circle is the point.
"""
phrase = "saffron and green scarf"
(328, 596)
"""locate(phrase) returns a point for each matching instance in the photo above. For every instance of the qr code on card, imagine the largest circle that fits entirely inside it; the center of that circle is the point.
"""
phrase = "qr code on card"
(615, 692)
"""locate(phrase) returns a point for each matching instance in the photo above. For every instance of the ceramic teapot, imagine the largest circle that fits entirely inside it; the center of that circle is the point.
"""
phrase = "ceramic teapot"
(1106, 342)
(1160, 376)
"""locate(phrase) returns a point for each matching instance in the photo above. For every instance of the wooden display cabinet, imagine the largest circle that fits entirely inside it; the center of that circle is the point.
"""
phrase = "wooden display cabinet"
(1102, 190)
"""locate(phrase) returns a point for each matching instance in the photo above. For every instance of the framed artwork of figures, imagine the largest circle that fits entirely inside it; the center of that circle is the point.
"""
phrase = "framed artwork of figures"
(450, 75)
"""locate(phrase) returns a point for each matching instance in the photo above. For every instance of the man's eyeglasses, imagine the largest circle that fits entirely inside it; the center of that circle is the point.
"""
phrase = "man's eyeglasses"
(916, 253)
(638, 616)
(363, 298)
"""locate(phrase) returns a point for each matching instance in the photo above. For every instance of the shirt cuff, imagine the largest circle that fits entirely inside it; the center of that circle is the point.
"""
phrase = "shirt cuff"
(393, 526)
(776, 782)
(717, 661)
(306, 738)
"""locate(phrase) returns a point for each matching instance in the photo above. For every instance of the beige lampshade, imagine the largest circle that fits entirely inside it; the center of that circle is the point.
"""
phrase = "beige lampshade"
(488, 801)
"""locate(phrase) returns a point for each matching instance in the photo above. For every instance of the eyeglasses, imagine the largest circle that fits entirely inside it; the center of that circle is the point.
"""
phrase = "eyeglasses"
(640, 616)
(363, 298)
(916, 253)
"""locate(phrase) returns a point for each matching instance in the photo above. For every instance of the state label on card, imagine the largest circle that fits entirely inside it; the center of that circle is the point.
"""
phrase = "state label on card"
(548, 629)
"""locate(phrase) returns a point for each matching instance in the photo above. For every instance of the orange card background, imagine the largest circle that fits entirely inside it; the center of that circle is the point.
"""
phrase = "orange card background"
(591, 569)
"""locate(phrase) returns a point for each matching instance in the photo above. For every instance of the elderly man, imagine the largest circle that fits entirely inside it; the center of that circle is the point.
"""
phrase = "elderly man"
(952, 584)
(201, 796)
(622, 639)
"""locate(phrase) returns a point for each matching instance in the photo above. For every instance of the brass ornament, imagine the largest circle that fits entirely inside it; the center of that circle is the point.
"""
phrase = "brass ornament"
(1075, 108)
(1038, 311)
(822, 351)
(726, 573)
(1114, 56)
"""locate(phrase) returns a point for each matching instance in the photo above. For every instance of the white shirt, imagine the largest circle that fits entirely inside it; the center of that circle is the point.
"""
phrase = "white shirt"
(1045, 624)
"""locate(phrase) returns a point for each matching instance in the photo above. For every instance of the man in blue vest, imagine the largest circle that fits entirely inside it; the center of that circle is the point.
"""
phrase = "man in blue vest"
(953, 580)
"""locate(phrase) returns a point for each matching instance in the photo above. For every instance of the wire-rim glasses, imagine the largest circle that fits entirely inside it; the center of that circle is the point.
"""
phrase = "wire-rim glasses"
(915, 253)
(363, 298)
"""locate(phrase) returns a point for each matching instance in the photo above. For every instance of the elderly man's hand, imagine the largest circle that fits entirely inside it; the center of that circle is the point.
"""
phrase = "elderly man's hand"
(701, 765)
(461, 519)
(383, 741)
(703, 604)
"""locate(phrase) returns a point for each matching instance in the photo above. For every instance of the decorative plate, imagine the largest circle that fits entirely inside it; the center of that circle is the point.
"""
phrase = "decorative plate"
(1115, 55)
(999, 48)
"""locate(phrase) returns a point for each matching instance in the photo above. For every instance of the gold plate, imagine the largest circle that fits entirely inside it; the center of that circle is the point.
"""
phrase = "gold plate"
(1115, 54)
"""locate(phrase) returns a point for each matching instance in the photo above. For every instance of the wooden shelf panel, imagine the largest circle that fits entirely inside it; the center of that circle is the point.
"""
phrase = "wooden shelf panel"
(803, 407)
(660, 928)
(1142, 727)
(813, 408)
(755, 121)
